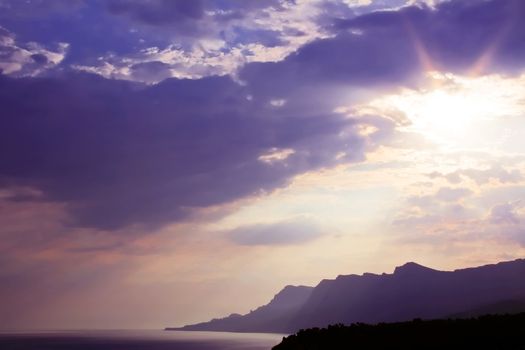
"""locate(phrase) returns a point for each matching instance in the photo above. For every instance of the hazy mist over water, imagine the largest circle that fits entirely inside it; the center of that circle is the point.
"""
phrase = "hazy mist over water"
(136, 340)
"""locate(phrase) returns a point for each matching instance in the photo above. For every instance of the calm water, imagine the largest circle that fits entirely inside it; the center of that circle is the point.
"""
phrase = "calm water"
(137, 340)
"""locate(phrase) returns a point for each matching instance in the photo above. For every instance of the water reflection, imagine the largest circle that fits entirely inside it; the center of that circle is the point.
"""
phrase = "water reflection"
(137, 340)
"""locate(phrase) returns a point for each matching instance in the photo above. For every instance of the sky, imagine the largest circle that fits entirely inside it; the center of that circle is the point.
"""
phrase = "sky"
(164, 162)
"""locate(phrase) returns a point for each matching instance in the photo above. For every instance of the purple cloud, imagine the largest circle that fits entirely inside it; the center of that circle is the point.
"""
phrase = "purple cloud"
(196, 18)
(504, 213)
(122, 154)
(181, 14)
(166, 12)
(472, 36)
(393, 47)
(280, 233)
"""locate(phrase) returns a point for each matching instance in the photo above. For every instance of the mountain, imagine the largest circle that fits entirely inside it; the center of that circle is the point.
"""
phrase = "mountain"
(272, 317)
(412, 291)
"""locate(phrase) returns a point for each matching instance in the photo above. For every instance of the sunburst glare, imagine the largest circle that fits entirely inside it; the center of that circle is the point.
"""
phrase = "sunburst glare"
(452, 110)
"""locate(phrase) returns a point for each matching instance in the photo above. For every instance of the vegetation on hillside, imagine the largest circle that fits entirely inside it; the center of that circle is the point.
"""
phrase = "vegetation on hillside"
(485, 332)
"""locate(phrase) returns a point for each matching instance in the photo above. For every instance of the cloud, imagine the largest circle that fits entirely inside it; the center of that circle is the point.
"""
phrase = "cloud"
(35, 9)
(216, 38)
(152, 65)
(187, 15)
(28, 59)
(444, 194)
(202, 38)
(120, 154)
(505, 213)
(395, 46)
(481, 176)
(454, 218)
(444, 206)
(347, 59)
(439, 37)
(159, 12)
(280, 233)
(448, 194)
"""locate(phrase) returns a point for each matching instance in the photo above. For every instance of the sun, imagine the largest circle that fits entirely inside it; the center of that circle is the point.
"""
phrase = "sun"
(443, 114)
(452, 110)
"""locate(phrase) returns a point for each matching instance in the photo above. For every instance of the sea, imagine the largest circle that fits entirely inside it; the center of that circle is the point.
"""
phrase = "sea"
(137, 340)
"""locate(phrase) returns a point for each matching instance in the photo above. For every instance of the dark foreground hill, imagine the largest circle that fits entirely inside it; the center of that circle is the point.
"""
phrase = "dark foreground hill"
(486, 332)
(412, 291)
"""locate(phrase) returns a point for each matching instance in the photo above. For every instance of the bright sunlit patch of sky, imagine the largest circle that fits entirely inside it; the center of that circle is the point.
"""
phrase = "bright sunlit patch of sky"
(460, 112)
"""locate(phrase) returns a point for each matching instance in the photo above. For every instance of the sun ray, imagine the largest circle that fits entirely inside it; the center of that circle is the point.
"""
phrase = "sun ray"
(487, 57)
(453, 110)
(422, 53)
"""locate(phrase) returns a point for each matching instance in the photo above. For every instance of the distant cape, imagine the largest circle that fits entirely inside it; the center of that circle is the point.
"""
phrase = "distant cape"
(412, 291)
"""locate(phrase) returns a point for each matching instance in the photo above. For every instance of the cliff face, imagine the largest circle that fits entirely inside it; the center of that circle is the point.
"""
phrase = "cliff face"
(412, 291)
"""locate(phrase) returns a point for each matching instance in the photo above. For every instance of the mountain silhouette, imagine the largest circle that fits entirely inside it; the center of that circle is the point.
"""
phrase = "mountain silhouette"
(272, 317)
(411, 291)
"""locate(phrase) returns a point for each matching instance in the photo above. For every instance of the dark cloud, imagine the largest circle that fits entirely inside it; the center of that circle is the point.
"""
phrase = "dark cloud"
(153, 71)
(39, 58)
(194, 18)
(457, 35)
(395, 46)
(110, 37)
(347, 59)
(382, 46)
(37, 8)
(162, 12)
(280, 233)
(122, 154)
(159, 12)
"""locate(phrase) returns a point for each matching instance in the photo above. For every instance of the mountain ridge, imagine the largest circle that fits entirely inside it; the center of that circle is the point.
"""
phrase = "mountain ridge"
(270, 318)
(411, 291)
